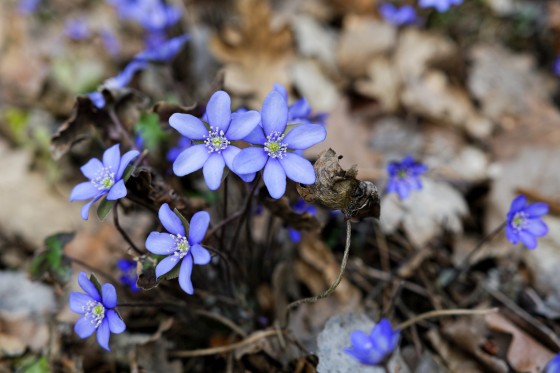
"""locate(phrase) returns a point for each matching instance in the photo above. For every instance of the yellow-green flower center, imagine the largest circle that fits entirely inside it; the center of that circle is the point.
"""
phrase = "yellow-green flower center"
(274, 145)
(104, 180)
(216, 140)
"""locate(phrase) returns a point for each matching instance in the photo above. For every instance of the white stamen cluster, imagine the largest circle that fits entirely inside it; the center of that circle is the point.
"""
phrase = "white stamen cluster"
(274, 145)
(216, 140)
(181, 248)
(104, 179)
(519, 221)
(95, 312)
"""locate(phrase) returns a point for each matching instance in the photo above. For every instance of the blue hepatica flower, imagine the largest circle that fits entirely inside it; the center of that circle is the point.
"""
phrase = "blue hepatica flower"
(217, 150)
(440, 5)
(524, 222)
(300, 207)
(97, 311)
(398, 16)
(180, 246)
(553, 365)
(128, 276)
(27, 7)
(105, 178)
(374, 348)
(183, 143)
(275, 145)
(77, 29)
(404, 176)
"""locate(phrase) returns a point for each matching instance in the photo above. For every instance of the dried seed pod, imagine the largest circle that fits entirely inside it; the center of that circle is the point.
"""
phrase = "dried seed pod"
(338, 189)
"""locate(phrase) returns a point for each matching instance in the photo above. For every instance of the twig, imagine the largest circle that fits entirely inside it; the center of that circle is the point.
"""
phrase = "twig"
(223, 320)
(334, 285)
(122, 232)
(440, 313)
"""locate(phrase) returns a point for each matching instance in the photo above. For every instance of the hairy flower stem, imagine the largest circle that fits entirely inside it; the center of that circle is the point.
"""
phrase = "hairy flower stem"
(91, 268)
(245, 213)
(125, 134)
(122, 232)
(335, 284)
(441, 313)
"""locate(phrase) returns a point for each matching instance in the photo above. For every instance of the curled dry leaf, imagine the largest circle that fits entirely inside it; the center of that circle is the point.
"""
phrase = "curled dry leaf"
(338, 189)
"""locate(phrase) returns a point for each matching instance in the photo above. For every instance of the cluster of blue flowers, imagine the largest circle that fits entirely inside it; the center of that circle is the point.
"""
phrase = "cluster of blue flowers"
(406, 14)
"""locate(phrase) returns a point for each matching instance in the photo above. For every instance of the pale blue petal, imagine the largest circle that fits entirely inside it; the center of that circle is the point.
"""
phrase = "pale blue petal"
(190, 160)
(103, 334)
(536, 227)
(160, 243)
(198, 226)
(304, 136)
(77, 302)
(92, 168)
(84, 327)
(256, 136)
(518, 203)
(117, 191)
(170, 221)
(219, 110)
(88, 286)
(282, 90)
(87, 206)
(200, 255)
(109, 295)
(536, 210)
(116, 324)
(274, 178)
(274, 113)
(249, 160)
(112, 157)
(243, 124)
(83, 191)
(298, 169)
(511, 235)
(213, 170)
(528, 239)
(189, 126)
(185, 275)
(166, 265)
(125, 160)
(229, 154)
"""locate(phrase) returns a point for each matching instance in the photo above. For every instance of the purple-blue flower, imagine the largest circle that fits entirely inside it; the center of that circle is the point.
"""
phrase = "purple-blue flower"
(105, 178)
(524, 222)
(97, 311)
(110, 42)
(97, 99)
(128, 273)
(374, 348)
(153, 15)
(404, 176)
(183, 143)
(163, 52)
(300, 207)
(216, 151)
(180, 246)
(440, 5)
(553, 365)
(77, 29)
(300, 111)
(275, 145)
(28, 7)
(398, 16)
(556, 67)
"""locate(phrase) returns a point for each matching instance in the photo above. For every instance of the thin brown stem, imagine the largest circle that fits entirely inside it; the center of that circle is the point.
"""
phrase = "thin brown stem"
(245, 209)
(122, 232)
(91, 268)
(441, 313)
(117, 122)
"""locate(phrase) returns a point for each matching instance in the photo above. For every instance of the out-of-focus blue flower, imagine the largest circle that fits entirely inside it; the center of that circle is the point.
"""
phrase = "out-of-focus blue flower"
(440, 5)
(524, 222)
(553, 365)
(398, 16)
(374, 348)
(164, 52)
(105, 178)
(28, 7)
(180, 246)
(404, 176)
(128, 276)
(300, 111)
(110, 42)
(300, 207)
(216, 151)
(77, 29)
(557, 66)
(153, 15)
(97, 99)
(183, 143)
(274, 144)
(97, 311)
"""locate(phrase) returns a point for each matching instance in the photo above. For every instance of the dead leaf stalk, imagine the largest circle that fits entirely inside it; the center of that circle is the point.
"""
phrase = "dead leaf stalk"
(441, 313)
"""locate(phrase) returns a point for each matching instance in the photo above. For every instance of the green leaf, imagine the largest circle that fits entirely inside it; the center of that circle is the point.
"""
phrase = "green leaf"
(52, 260)
(96, 282)
(33, 364)
(105, 208)
(150, 130)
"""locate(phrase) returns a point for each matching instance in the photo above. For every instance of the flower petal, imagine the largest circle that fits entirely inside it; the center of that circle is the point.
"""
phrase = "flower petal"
(305, 136)
(112, 157)
(198, 226)
(511, 235)
(256, 136)
(381, 335)
(201, 256)
(109, 296)
(160, 243)
(190, 160)
(87, 206)
(282, 90)
(242, 124)
(249, 160)
(360, 340)
(218, 110)
(536, 210)
(116, 324)
(189, 126)
(274, 178)
(298, 169)
(117, 191)
(213, 170)
(170, 221)
(83, 191)
(92, 168)
(84, 327)
(299, 111)
(166, 265)
(77, 302)
(536, 227)
(528, 239)
(518, 203)
(88, 286)
(229, 154)
(103, 334)
(125, 160)
(274, 113)
(185, 275)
